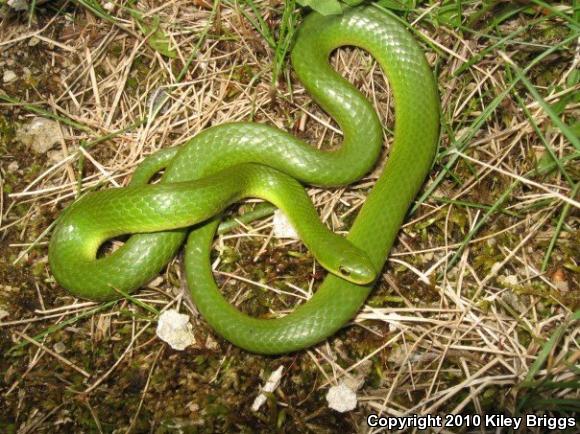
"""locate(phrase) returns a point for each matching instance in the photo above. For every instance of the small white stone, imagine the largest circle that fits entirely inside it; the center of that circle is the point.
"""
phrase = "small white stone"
(109, 6)
(511, 280)
(59, 348)
(511, 299)
(40, 134)
(8, 288)
(9, 76)
(282, 226)
(341, 398)
(55, 156)
(211, 343)
(271, 385)
(175, 329)
(562, 286)
(13, 167)
(22, 5)
(18, 5)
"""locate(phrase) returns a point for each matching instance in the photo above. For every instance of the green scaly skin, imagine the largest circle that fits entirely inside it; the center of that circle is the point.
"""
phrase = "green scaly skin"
(374, 230)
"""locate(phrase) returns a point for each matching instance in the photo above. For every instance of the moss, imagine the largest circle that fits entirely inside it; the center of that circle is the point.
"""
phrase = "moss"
(7, 132)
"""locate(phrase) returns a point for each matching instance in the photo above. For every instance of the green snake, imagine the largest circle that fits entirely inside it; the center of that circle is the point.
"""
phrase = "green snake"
(228, 162)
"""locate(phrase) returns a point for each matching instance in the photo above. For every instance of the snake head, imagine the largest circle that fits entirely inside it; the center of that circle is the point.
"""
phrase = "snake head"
(343, 259)
(355, 266)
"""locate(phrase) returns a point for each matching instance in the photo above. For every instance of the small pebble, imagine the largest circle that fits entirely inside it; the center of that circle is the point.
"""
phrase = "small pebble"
(40, 134)
(511, 280)
(59, 348)
(211, 344)
(341, 398)
(175, 329)
(9, 76)
(18, 5)
(55, 156)
(511, 299)
(13, 167)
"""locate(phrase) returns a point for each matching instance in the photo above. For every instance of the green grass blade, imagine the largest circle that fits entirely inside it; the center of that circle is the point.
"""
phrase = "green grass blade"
(565, 129)
(563, 215)
(137, 302)
(542, 138)
(62, 325)
(478, 122)
(547, 349)
(34, 108)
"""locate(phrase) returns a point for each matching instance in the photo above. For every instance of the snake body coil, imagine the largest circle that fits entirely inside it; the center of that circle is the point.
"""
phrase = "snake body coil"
(200, 176)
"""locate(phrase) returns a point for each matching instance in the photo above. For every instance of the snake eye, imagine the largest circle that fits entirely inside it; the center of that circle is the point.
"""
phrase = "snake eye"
(344, 271)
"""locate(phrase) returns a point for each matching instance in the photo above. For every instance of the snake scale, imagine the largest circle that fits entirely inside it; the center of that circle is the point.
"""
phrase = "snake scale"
(225, 163)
